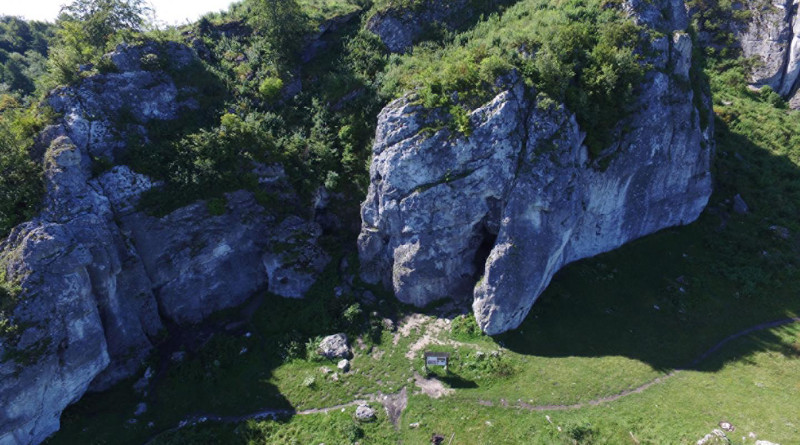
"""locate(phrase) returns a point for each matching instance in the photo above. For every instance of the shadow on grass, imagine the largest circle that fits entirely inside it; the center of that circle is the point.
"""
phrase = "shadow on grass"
(669, 299)
(455, 381)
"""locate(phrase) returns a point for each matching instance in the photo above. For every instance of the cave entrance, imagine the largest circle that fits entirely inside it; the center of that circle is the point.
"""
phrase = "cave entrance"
(488, 240)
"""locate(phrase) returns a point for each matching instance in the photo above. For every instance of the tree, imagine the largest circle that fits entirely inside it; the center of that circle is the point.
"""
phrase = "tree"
(102, 19)
(283, 24)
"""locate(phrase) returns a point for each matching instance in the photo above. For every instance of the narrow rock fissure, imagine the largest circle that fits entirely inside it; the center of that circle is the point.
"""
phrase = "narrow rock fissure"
(485, 247)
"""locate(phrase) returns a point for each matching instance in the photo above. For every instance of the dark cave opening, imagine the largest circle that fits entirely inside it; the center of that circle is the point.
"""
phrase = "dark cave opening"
(488, 239)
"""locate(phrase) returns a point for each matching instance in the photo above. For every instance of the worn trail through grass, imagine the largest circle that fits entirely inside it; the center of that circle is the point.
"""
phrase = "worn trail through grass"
(273, 413)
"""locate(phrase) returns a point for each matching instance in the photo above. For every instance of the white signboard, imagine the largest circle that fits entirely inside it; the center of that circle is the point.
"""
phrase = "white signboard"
(436, 361)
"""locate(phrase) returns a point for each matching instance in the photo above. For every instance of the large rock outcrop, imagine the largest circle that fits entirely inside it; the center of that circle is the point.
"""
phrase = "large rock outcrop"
(99, 279)
(493, 216)
(772, 38)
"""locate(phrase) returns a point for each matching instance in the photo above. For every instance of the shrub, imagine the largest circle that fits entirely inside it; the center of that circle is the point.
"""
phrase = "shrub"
(270, 88)
(352, 313)
(465, 327)
(21, 184)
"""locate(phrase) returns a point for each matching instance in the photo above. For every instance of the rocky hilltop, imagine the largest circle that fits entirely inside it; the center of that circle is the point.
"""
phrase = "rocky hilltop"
(99, 279)
(494, 215)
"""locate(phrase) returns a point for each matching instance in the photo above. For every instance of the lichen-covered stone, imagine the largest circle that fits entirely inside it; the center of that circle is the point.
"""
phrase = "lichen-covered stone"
(334, 346)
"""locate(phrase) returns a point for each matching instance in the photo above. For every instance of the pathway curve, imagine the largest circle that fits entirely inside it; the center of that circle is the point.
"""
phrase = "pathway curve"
(266, 413)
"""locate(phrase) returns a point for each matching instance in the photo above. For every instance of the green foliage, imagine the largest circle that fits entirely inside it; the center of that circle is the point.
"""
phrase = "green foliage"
(23, 51)
(353, 313)
(21, 185)
(283, 24)
(465, 327)
(86, 29)
(99, 20)
(270, 88)
(585, 54)
(718, 19)
(204, 164)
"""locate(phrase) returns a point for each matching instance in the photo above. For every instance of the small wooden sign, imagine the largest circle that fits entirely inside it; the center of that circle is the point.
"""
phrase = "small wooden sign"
(437, 359)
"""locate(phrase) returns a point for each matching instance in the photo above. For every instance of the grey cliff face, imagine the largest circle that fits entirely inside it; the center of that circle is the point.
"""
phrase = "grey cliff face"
(99, 278)
(523, 188)
(772, 37)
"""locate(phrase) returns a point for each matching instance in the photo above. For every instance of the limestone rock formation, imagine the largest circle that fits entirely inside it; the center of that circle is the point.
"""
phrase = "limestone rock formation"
(771, 36)
(98, 279)
(495, 215)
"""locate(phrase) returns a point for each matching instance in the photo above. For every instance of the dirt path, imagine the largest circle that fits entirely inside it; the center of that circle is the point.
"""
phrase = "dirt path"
(396, 403)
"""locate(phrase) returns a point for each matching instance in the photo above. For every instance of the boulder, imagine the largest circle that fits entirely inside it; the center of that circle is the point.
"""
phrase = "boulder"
(334, 346)
(365, 413)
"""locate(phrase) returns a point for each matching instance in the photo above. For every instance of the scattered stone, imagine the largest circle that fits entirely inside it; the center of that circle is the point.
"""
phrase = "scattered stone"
(781, 232)
(715, 437)
(765, 442)
(739, 206)
(140, 409)
(325, 370)
(141, 385)
(388, 324)
(178, 356)
(437, 439)
(343, 365)
(414, 425)
(243, 350)
(334, 346)
(727, 426)
(132, 421)
(335, 377)
(365, 413)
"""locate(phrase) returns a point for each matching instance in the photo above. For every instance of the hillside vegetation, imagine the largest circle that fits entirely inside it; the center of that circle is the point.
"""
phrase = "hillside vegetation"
(611, 325)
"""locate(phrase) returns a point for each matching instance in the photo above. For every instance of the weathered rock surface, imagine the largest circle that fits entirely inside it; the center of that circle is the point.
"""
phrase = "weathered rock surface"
(99, 278)
(771, 36)
(520, 197)
(365, 413)
(334, 346)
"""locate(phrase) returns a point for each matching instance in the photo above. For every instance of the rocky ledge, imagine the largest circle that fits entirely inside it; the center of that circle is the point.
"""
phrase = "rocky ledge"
(493, 216)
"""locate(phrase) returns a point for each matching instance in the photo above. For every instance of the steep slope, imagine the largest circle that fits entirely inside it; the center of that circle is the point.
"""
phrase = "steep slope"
(523, 188)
